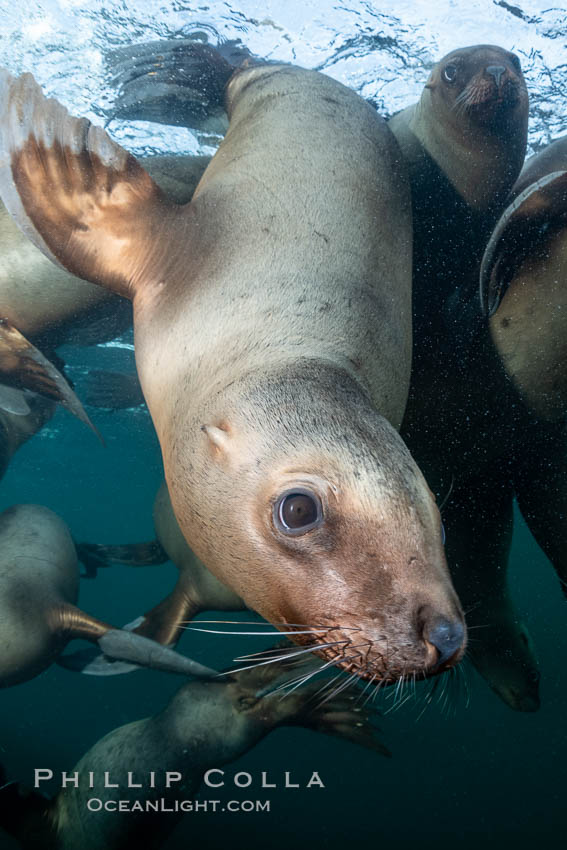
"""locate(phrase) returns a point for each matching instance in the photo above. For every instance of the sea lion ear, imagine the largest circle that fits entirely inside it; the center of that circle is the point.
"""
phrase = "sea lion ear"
(81, 198)
(219, 438)
(521, 231)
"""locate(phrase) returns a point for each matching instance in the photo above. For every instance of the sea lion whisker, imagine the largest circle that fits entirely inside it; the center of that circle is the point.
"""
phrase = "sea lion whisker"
(340, 688)
(368, 685)
(275, 660)
(447, 496)
(302, 679)
(255, 634)
(286, 652)
(275, 623)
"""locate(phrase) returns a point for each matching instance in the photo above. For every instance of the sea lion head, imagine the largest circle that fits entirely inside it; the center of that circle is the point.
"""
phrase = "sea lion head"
(480, 86)
(472, 119)
(313, 511)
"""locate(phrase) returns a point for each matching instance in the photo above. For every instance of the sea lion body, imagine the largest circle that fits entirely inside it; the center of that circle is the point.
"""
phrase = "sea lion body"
(39, 580)
(40, 583)
(202, 727)
(523, 289)
(464, 142)
(259, 309)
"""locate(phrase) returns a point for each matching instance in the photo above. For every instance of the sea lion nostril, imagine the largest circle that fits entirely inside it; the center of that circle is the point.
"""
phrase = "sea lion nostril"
(496, 71)
(447, 636)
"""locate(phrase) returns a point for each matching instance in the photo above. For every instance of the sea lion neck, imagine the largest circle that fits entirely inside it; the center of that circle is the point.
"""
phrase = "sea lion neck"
(481, 166)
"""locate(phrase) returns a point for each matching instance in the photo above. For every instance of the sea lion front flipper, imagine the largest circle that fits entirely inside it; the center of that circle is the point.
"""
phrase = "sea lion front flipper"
(521, 231)
(113, 390)
(339, 716)
(24, 367)
(81, 198)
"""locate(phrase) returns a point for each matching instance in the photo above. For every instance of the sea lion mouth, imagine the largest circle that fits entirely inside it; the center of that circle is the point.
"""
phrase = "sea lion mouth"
(483, 98)
(347, 650)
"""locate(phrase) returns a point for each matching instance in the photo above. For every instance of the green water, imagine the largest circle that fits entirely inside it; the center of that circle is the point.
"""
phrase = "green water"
(480, 774)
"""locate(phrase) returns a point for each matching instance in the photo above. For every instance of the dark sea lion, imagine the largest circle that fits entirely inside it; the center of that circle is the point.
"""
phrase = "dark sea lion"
(273, 333)
(465, 142)
(39, 580)
(204, 727)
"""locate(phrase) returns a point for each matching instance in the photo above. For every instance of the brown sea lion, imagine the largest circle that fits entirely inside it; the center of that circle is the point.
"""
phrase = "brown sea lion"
(465, 142)
(259, 310)
(39, 582)
(204, 727)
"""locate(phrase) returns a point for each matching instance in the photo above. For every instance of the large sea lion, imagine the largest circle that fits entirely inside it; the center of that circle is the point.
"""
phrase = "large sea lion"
(273, 334)
(204, 727)
(39, 582)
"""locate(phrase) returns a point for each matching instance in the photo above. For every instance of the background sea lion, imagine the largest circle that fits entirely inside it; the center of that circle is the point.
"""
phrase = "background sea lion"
(196, 589)
(39, 580)
(258, 315)
(523, 288)
(204, 726)
(465, 142)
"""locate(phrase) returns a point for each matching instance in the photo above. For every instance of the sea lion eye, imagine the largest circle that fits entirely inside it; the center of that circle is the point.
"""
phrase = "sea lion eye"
(297, 511)
(450, 72)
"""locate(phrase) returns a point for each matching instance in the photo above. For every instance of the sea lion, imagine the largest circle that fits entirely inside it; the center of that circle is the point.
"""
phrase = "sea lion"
(464, 142)
(273, 335)
(523, 292)
(205, 726)
(38, 615)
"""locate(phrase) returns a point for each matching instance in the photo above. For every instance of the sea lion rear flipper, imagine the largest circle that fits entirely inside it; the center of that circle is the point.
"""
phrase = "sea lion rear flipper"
(92, 662)
(93, 556)
(24, 367)
(123, 645)
(521, 231)
(178, 82)
(113, 390)
(81, 198)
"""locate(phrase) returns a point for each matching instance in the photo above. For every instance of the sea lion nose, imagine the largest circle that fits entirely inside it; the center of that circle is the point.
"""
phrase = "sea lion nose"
(496, 71)
(447, 636)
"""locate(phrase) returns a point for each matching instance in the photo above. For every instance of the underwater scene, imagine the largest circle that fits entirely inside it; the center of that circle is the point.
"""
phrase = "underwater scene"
(283, 439)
